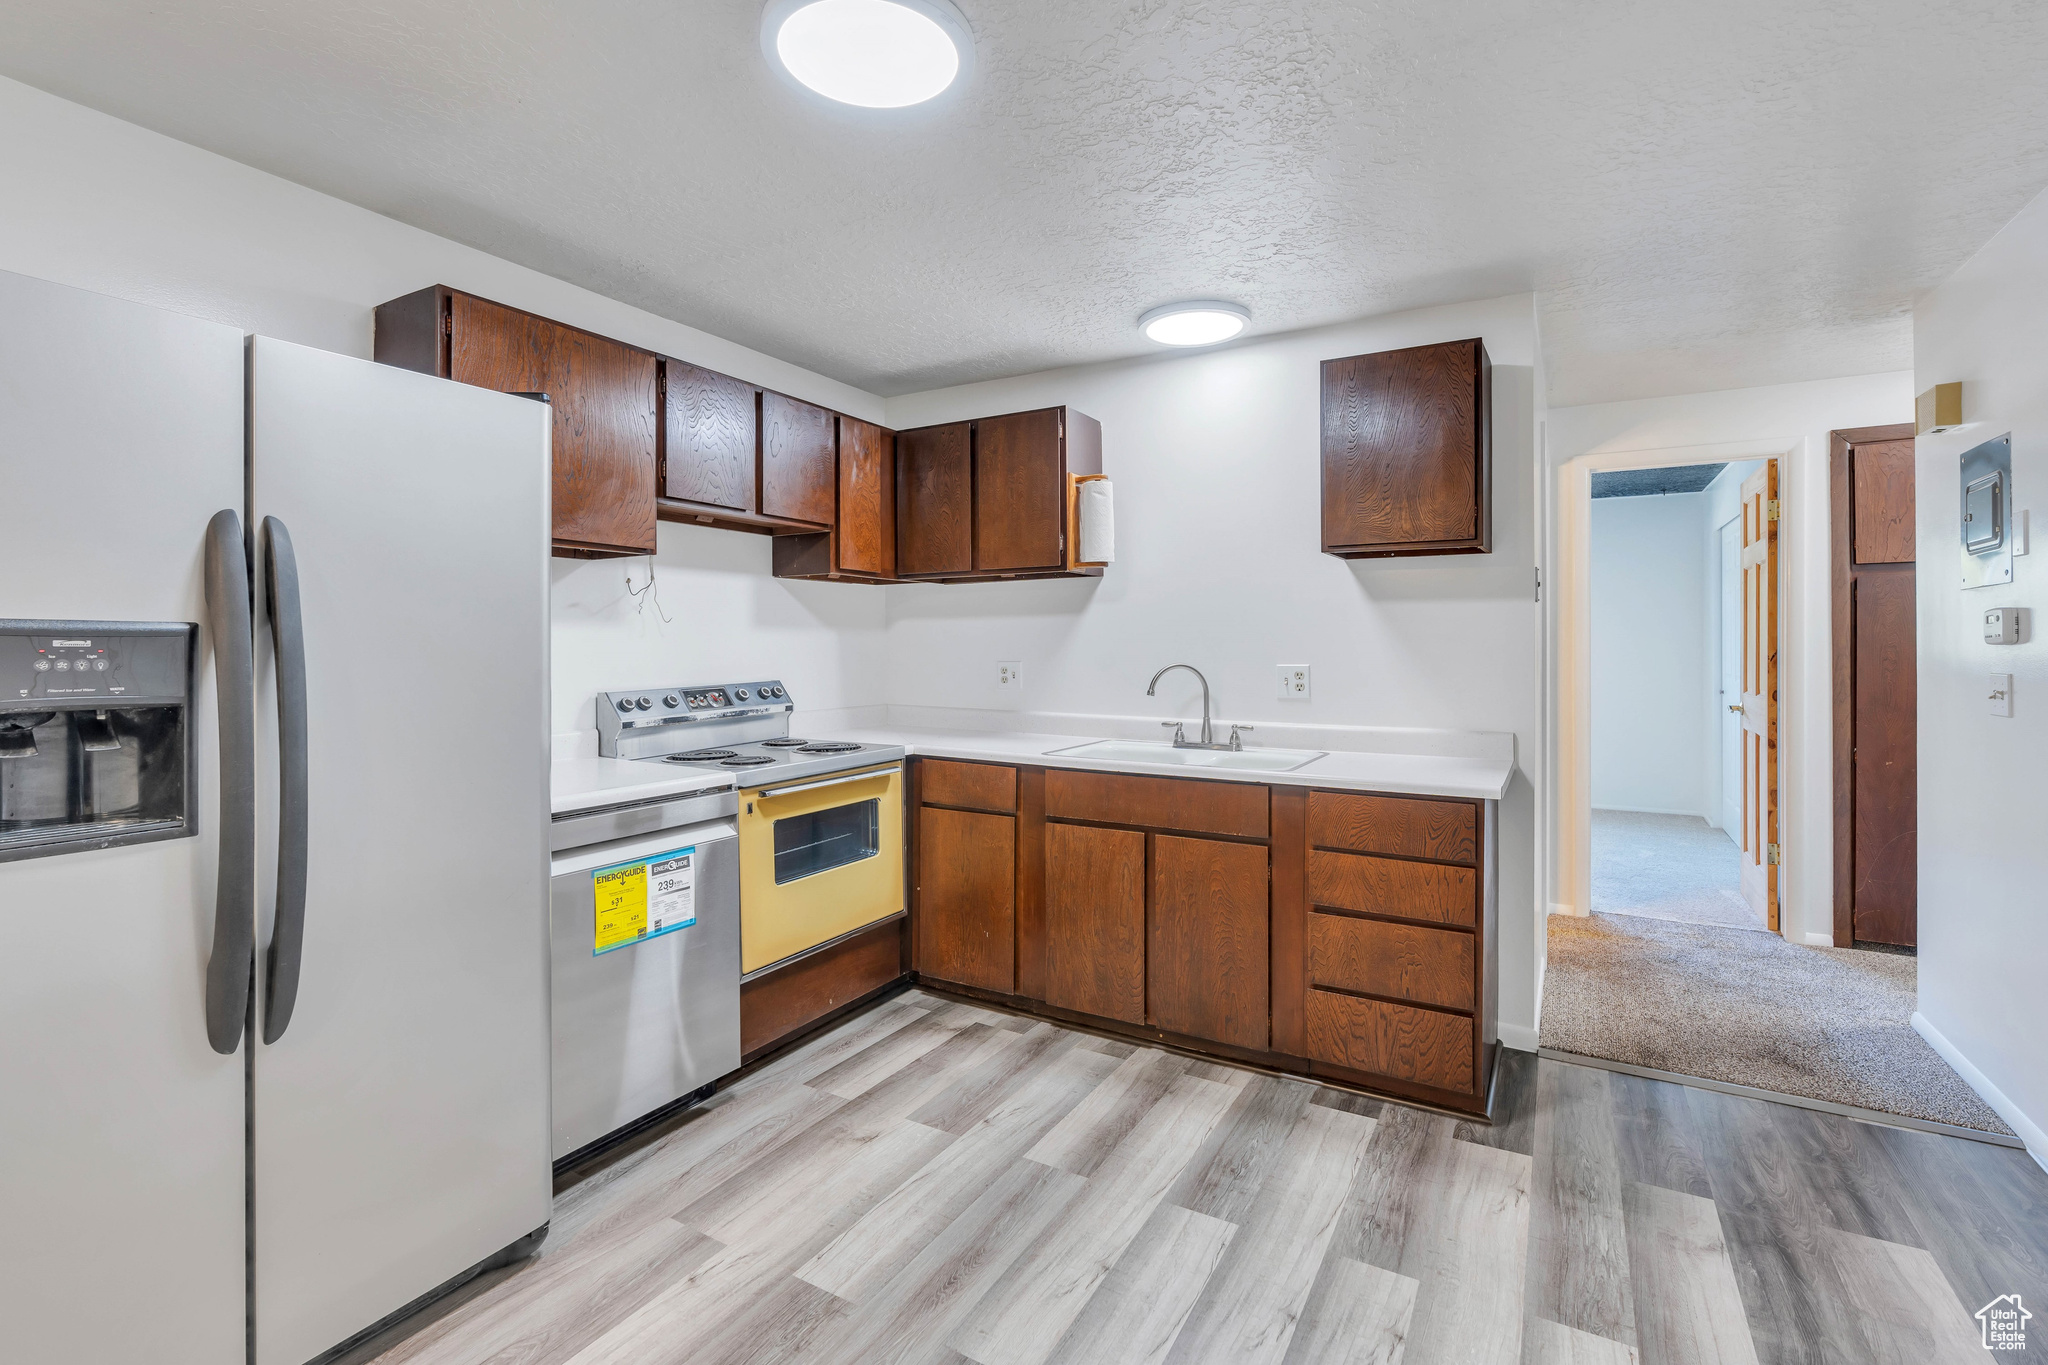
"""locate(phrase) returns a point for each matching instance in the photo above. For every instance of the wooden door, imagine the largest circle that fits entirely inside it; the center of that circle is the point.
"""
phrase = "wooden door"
(1206, 969)
(605, 408)
(866, 541)
(1876, 688)
(966, 908)
(711, 428)
(1019, 500)
(1759, 706)
(1095, 921)
(935, 500)
(798, 442)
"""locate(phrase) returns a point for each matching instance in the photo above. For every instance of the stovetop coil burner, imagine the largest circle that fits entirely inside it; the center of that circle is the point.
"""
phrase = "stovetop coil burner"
(702, 756)
(784, 743)
(829, 746)
(744, 761)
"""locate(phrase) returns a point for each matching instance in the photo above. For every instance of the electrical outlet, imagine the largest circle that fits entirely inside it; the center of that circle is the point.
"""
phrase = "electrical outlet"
(1010, 675)
(1294, 682)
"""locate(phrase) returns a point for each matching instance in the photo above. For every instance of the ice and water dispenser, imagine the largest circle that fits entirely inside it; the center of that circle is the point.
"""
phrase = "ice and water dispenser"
(95, 734)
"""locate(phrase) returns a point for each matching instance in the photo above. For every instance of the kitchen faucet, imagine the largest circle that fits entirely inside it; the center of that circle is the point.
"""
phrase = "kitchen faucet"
(1208, 739)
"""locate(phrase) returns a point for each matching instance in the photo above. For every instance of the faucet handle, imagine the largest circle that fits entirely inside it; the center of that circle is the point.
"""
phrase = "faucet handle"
(1235, 742)
(1179, 737)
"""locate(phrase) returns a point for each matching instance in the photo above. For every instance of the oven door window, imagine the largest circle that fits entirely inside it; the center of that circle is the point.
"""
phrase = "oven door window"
(821, 840)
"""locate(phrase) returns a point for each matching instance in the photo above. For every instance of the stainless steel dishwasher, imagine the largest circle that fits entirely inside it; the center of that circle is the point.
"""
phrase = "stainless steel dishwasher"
(646, 986)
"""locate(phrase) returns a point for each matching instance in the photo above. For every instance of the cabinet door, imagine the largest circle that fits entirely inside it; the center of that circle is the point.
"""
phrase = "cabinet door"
(605, 413)
(797, 461)
(867, 499)
(1205, 952)
(967, 877)
(1019, 503)
(1095, 921)
(934, 500)
(1407, 452)
(711, 438)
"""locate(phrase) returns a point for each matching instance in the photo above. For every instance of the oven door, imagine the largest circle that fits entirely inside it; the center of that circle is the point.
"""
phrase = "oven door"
(818, 860)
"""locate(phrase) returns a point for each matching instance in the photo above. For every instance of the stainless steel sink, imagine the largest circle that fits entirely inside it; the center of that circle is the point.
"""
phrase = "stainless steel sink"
(1142, 751)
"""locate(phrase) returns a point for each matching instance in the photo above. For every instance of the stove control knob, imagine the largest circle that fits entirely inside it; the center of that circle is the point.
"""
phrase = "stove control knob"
(776, 690)
(671, 701)
(741, 693)
(643, 703)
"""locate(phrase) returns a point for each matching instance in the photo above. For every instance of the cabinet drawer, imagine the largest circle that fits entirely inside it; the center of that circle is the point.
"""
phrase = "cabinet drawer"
(978, 786)
(1404, 825)
(1409, 1044)
(1387, 886)
(1160, 802)
(1428, 966)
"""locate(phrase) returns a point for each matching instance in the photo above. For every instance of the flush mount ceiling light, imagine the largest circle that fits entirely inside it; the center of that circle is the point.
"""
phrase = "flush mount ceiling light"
(1203, 322)
(878, 54)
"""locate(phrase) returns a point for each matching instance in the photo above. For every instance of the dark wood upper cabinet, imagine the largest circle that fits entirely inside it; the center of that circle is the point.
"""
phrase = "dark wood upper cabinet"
(798, 445)
(861, 546)
(935, 500)
(711, 429)
(1408, 452)
(1019, 497)
(603, 392)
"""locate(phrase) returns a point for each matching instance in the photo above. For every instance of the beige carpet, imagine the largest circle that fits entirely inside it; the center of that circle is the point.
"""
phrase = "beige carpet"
(1668, 867)
(1735, 1005)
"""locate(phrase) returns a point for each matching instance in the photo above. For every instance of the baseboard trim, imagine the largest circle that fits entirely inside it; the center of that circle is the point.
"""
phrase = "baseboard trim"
(1750, 1092)
(1820, 940)
(1658, 810)
(2031, 1136)
(1520, 1037)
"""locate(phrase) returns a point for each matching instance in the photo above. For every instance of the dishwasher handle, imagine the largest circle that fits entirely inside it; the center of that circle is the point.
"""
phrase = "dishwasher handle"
(767, 792)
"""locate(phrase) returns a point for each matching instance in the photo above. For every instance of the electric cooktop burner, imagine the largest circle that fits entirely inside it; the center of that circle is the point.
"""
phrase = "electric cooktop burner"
(745, 761)
(702, 755)
(784, 743)
(829, 746)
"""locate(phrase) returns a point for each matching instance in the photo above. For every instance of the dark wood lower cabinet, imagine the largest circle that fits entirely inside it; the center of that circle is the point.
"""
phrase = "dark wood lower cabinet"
(1346, 935)
(1095, 921)
(967, 876)
(1205, 944)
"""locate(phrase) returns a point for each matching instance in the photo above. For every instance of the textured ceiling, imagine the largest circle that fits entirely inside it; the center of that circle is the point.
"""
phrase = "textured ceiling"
(1702, 196)
(1642, 483)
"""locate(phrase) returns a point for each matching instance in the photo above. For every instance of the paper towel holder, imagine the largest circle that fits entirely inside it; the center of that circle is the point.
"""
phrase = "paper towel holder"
(1074, 482)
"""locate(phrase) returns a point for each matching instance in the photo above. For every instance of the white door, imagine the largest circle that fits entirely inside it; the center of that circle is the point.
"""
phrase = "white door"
(120, 1127)
(1730, 668)
(401, 1127)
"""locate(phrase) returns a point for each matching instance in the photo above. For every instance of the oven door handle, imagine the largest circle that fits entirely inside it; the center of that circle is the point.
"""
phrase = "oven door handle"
(767, 792)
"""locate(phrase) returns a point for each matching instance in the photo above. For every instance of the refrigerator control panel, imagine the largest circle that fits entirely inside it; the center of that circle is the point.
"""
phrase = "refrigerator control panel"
(112, 663)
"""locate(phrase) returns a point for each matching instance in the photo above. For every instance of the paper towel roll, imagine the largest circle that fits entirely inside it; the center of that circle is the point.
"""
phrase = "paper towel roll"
(1097, 522)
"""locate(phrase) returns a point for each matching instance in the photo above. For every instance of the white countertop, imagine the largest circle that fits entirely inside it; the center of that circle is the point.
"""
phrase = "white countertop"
(583, 781)
(1413, 774)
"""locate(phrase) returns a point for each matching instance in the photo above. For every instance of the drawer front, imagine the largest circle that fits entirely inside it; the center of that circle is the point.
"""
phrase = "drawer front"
(977, 786)
(1428, 966)
(1160, 802)
(1387, 886)
(1402, 1041)
(1407, 826)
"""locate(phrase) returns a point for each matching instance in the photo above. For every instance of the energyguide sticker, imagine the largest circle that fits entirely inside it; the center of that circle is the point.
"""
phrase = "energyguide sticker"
(643, 899)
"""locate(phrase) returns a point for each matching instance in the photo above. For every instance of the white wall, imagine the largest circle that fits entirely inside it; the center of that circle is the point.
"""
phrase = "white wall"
(104, 205)
(1983, 861)
(1791, 422)
(1215, 461)
(1650, 661)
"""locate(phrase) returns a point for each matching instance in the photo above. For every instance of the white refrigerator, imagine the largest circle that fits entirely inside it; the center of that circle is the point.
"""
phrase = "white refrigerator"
(275, 1069)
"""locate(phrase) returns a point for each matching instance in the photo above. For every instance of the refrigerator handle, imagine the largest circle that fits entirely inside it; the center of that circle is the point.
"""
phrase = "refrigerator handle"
(234, 902)
(287, 629)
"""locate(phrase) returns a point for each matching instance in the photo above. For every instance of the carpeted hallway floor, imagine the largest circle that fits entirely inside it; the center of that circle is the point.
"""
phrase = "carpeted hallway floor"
(1675, 867)
(1749, 1008)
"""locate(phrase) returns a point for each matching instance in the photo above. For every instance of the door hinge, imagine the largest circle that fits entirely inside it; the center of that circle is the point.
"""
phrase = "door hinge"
(447, 324)
(1772, 857)
(1539, 585)
(1771, 510)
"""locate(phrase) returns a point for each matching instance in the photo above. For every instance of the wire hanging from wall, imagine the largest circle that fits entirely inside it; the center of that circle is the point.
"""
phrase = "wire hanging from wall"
(640, 596)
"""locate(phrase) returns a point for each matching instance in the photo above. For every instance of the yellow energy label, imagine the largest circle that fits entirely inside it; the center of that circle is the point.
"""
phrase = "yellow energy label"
(646, 898)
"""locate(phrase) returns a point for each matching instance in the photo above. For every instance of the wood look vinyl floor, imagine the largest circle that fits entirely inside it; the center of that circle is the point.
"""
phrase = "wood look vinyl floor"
(932, 1181)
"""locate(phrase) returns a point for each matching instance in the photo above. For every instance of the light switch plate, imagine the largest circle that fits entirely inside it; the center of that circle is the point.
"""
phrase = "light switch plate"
(1294, 682)
(1010, 676)
(1998, 696)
